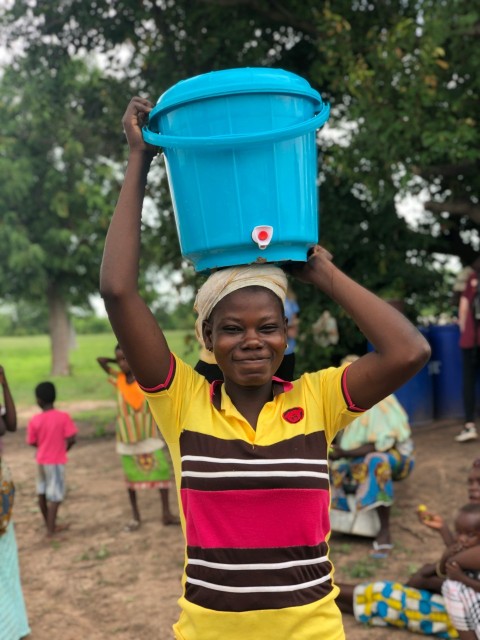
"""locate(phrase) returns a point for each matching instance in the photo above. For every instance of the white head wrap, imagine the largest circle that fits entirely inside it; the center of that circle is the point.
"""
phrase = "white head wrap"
(228, 280)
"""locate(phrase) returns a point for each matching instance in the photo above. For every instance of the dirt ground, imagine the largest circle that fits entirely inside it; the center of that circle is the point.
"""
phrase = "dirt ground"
(100, 582)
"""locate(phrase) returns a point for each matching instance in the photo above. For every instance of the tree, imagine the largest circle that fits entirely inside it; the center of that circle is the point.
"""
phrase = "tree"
(399, 73)
(55, 194)
(390, 70)
(413, 92)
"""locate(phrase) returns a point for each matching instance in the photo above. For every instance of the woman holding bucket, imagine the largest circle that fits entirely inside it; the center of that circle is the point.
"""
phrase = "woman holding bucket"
(250, 454)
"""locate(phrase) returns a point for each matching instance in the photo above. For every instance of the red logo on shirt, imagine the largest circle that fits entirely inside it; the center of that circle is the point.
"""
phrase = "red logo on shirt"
(294, 415)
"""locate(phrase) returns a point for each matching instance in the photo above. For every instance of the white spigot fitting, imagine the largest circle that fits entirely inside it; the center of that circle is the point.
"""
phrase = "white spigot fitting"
(262, 235)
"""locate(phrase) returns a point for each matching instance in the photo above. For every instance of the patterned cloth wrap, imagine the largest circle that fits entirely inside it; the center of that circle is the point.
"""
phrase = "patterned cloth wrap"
(7, 494)
(371, 477)
(463, 605)
(391, 604)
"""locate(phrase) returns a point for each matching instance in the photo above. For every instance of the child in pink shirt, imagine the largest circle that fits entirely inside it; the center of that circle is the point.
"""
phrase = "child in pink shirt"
(53, 433)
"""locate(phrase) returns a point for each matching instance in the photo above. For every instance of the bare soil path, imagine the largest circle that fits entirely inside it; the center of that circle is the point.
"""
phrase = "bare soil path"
(99, 582)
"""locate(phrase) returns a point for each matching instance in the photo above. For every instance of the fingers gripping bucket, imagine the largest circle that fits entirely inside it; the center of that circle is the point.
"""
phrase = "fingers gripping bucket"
(240, 154)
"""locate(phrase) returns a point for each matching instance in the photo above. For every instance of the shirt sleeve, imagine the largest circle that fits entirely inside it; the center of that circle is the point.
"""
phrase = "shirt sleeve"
(170, 401)
(329, 394)
(69, 427)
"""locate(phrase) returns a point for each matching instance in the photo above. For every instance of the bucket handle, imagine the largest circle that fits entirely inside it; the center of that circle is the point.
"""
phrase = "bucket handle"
(184, 142)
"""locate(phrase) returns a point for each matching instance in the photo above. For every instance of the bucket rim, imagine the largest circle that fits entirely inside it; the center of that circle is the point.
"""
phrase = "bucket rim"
(239, 81)
(233, 140)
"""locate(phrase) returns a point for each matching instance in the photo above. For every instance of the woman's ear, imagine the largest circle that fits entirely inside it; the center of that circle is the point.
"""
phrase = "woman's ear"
(207, 335)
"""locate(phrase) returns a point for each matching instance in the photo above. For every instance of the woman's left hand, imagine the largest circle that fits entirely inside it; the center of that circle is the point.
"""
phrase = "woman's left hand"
(335, 452)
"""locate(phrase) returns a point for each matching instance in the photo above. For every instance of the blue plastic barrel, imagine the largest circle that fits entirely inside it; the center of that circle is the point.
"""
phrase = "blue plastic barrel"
(241, 160)
(448, 376)
(416, 395)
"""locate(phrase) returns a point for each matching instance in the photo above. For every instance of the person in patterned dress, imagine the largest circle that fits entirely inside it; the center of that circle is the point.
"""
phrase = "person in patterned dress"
(138, 443)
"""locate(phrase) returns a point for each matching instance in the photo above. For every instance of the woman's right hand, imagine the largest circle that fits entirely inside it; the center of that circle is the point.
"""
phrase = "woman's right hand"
(134, 118)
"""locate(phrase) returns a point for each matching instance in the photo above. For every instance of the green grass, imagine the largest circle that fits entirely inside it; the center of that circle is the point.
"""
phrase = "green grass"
(27, 362)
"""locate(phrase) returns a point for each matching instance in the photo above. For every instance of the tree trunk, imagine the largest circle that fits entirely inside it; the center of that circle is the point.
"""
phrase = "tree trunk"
(59, 332)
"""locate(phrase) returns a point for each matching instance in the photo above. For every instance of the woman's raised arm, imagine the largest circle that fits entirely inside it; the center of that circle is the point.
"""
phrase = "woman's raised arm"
(134, 325)
(400, 349)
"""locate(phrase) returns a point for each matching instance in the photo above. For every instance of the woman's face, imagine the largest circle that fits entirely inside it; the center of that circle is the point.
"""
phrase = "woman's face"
(247, 330)
(473, 484)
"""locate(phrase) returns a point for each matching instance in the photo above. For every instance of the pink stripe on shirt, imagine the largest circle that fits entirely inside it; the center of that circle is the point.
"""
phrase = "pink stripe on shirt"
(256, 518)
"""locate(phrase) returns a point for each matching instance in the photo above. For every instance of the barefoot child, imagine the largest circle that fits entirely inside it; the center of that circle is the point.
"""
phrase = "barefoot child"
(53, 433)
(144, 463)
(250, 453)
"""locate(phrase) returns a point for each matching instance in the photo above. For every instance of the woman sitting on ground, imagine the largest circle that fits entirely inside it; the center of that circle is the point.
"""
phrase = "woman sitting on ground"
(372, 452)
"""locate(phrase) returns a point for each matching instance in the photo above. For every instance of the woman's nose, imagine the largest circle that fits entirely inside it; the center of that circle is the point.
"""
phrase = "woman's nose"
(251, 340)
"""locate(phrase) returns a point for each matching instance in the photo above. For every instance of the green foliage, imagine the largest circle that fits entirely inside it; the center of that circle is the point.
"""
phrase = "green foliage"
(181, 317)
(409, 72)
(24, 319)
(403, 84)
(56, 181)
(375, 246)
(90, 324)
(26, 361)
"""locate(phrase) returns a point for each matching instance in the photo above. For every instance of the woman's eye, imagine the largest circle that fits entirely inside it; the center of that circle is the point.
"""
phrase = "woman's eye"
(231, 329)
(269, 328)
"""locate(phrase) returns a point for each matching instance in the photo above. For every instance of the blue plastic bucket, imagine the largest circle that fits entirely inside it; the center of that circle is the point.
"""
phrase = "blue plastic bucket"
(448, 378)
(240, 154)
(416, 396)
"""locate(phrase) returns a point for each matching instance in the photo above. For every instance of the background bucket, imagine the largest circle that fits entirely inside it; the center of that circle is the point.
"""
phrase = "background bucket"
(417, 395)
(240, 153)
(448, 378)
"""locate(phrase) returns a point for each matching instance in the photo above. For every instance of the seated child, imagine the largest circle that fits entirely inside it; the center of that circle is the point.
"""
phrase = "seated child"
(460, 564)
(456, 615)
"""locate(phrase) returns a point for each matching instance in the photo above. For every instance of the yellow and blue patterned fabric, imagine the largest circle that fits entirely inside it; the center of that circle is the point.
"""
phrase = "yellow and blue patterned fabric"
(391, 604)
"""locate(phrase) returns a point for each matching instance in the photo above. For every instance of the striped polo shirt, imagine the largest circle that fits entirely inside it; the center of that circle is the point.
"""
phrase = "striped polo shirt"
(254, 506)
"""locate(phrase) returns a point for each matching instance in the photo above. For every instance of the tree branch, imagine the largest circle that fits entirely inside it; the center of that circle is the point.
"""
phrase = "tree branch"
(447, 170)
(274, 11)
(456, 208)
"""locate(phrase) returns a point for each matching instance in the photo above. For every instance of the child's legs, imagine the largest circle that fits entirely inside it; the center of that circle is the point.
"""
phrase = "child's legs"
(468, 362)
(426, 578)
(162, 475)
(42, 503)
(132, 495)
(41, 483)
(54, 492)
(52, 512)
(167, 515)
